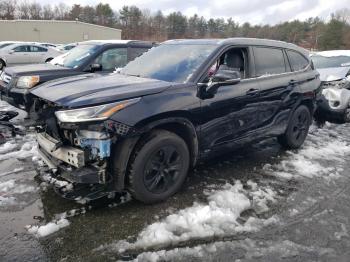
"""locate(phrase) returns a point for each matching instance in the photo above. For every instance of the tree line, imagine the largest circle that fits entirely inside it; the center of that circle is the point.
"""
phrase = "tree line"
(313, 33)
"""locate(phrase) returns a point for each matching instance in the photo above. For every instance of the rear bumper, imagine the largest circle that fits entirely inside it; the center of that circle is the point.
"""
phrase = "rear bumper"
(69, 162)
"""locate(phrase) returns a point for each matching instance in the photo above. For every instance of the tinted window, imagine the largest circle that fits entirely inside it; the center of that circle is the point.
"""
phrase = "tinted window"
(136, 52)
(269, 61)
(37, 49)
(113, 58)
(331, 61)
(22, 48)
(298, 61)
(170, 62)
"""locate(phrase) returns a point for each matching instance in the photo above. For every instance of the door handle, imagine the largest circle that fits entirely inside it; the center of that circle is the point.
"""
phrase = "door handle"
(252, 92)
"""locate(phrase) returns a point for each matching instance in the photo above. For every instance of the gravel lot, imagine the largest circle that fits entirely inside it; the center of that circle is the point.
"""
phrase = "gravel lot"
(260, 203)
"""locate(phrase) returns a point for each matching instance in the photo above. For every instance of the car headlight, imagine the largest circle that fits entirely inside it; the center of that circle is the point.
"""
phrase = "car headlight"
(27, 81)
(95, 113)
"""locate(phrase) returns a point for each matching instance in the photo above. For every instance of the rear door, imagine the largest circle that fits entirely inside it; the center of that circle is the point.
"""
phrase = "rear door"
(277, 83)
(305, 73)
(38, 54)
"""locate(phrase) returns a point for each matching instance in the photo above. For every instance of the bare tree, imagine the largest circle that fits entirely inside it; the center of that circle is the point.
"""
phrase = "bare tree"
(23, 10)
(48, 13)
(8, 9)
(35, 11)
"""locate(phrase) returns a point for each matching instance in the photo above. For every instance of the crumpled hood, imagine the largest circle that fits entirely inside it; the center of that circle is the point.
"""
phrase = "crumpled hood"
(80, 91)
(35, 69)
(333, 73)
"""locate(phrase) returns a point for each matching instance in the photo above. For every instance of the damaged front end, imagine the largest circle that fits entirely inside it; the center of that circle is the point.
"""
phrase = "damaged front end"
(333, 105)
(79, 151)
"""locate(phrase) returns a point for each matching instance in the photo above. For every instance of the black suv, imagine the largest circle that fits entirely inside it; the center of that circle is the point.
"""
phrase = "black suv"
(102, 56)
(183, 101)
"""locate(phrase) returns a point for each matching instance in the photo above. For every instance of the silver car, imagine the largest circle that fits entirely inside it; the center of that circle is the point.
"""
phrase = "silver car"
(334, 101)
(26, 53)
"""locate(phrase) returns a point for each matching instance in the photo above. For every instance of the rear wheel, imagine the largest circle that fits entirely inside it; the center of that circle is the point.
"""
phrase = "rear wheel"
(158, 167)
(297, 129)
(2, 64)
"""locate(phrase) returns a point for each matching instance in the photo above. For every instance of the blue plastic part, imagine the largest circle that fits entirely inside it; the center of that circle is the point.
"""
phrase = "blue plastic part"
(99, 147)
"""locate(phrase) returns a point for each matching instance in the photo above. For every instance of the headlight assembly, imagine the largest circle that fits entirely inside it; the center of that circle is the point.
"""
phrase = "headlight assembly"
(27, 81)
(95, 113)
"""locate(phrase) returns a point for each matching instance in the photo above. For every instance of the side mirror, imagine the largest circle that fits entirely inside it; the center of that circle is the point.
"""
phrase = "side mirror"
(11, 51)
(95, 67)
(222, 78)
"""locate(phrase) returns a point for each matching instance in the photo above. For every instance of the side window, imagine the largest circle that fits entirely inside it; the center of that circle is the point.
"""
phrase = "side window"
(112, 59)
(233, 59)
(297, 60)
(136, 52)
(22, 48)
(269, 61)
(37, 49)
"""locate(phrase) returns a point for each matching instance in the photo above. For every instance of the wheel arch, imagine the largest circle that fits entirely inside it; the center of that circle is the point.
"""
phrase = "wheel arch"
(123, 150)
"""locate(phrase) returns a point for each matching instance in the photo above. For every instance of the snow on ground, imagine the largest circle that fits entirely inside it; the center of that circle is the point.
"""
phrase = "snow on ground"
(18, 148)
(49, 228)
(253, 250)
(217, 218)
(321, 155)
(220, 215)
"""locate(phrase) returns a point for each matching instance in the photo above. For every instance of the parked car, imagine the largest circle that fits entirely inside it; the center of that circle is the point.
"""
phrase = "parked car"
(25, 53)
(334, 102)
(89, 57)
(181, 102)
(68, 47)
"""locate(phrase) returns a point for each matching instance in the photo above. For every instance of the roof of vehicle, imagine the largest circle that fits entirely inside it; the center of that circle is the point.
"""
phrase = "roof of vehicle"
(239, 41)
(121, 42)
(331, 53)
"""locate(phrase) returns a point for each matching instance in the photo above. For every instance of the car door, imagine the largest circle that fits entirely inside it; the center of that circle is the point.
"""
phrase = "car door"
(229, 117)
(38, 54)
(277, 86)
(19, 55)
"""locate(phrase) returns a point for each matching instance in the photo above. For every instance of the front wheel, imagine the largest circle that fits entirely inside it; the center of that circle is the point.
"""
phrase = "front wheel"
(158, 167)
(297, 129)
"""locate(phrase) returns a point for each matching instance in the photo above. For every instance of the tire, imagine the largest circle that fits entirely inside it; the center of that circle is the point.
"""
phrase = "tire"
(158, 167)
(297, 130)
(2, 64)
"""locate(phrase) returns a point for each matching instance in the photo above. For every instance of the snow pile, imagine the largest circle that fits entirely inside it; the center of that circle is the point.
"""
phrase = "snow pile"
(49, 228)
(217, 218)
(28, 149)
(7, 201)
(313, 159)
(9, 189)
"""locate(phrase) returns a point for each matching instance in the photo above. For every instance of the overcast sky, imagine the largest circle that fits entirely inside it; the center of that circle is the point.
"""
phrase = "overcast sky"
(253, 11)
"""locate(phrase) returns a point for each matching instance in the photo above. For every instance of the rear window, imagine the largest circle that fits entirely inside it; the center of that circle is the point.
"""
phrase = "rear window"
(269, 61)
(297, 61)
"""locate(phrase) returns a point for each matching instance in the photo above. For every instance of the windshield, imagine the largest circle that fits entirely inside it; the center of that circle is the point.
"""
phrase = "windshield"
(169, 62)
(77, 56)
(333, 61)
